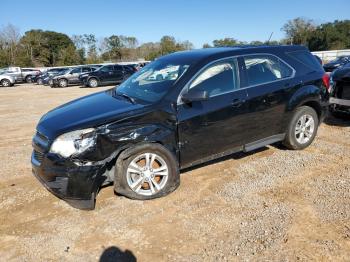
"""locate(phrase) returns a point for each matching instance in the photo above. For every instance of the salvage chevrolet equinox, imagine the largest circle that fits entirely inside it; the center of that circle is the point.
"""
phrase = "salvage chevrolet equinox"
(181, 110)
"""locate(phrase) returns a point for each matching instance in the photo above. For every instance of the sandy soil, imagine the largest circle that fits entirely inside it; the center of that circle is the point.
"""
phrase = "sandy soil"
(273, 204)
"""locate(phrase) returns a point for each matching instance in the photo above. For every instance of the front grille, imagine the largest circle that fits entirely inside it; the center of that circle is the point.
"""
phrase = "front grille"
(38, 156)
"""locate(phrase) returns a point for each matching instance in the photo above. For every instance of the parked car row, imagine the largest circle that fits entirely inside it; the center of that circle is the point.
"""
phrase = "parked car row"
(89, 75)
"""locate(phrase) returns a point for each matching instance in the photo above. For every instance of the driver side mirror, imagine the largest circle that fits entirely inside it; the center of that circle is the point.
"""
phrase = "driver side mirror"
(195, 95)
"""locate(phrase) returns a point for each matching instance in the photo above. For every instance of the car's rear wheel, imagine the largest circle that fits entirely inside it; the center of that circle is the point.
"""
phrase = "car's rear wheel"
(93, 82)
(63, 83)
(146, 171)
(302, 128)
(28, 79)
(5, 83)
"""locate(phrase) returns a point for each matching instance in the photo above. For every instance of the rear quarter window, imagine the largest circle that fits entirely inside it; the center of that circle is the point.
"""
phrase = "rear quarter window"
(263, 69)
(307, 59)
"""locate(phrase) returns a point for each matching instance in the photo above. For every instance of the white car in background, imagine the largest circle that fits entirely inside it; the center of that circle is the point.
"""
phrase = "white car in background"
(6, 80)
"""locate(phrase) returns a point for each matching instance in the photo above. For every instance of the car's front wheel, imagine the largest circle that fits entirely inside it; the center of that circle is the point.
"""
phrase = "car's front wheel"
(93, 82)
(302, 128)
(146, 171)
(39, 81)
(5, 83)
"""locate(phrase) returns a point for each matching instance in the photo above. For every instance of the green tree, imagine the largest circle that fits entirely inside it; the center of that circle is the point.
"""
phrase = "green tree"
(331, 36)
(47, 47)
(226, 42)
(299, 30)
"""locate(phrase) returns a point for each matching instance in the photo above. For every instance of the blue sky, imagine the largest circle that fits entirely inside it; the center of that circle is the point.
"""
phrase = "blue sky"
(199, 21)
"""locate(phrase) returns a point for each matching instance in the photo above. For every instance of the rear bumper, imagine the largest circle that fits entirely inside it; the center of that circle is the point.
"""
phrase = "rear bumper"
(338, 101)
(75, 184)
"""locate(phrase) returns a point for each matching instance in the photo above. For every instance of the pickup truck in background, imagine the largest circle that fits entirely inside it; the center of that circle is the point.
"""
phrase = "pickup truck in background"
(20, 74)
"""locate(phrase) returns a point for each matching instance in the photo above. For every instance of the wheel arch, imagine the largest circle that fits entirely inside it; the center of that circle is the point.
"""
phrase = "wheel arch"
(94, 77)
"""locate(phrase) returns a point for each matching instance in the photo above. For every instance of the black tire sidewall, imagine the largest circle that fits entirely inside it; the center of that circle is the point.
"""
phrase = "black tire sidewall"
(291, 141)
(120, 182)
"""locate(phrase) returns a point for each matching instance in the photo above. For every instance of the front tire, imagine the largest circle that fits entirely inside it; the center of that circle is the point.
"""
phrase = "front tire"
(93, 82)
(146, 171)
(5, 83)
(40, 81)
(302, 128)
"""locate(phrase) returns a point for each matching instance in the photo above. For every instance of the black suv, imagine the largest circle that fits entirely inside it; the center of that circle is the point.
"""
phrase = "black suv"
(207, 103)
(107, 74)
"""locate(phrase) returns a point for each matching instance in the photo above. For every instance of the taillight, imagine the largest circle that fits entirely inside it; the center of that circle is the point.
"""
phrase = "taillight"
(326, 80)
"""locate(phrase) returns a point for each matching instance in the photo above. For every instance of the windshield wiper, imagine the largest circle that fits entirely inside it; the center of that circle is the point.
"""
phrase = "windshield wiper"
(132, 100)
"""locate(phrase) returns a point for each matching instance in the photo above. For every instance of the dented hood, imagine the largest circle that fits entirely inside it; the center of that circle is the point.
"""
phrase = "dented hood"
(88, 111)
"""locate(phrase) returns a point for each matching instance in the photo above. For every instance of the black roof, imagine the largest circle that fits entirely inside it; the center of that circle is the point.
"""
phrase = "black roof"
(196, 55)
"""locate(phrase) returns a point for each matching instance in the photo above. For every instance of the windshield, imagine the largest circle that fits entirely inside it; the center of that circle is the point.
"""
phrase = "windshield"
(153, 81)
(3, 70)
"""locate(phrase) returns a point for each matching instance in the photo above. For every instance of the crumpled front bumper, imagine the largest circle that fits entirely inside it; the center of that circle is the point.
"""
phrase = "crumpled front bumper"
(74, 183)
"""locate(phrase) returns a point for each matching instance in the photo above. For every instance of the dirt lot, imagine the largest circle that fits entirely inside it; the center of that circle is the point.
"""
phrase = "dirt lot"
(272, 204)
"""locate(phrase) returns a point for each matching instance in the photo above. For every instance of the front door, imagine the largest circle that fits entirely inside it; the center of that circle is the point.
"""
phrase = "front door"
(118, 74)
(215, 125)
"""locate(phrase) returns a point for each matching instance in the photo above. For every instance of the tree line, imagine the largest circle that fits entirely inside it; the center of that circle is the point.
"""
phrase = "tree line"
(48, 48)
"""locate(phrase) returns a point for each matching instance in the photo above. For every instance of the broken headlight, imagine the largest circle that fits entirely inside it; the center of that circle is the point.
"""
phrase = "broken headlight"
(74, 142)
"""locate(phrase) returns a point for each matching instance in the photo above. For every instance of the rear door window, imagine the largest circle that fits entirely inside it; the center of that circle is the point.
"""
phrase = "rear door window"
(263, 69)
(86, 69)
(76, 70)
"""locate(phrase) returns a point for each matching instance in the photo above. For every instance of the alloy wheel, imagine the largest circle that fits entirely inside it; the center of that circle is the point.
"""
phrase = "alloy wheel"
(147, 174)
(304, 129)
(93, 83)
(5, 83)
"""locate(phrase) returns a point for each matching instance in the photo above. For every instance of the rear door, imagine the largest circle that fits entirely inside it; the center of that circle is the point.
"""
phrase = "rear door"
(215, 125)
(267, 78)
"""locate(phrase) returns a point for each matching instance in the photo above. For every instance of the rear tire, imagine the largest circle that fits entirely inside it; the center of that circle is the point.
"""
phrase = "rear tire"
(28, 79)
(63, 83)
(136, 179)
(302, 128)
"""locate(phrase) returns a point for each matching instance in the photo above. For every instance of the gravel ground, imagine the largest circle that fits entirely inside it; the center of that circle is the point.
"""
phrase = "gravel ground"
(272, 204)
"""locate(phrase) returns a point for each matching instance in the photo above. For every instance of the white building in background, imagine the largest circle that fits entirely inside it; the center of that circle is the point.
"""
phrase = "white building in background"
(331, 55)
